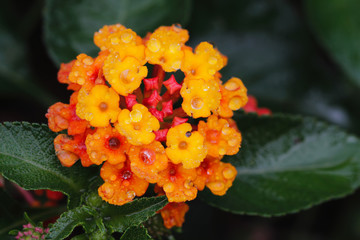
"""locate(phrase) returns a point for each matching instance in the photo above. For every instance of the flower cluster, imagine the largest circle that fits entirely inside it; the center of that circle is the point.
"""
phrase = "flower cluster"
(32, 232)
(151, 111)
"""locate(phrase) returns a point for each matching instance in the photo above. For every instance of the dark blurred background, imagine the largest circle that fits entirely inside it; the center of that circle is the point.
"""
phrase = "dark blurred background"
(273, 46)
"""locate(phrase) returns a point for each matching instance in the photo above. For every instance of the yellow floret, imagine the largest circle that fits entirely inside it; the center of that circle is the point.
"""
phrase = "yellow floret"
(124, 75)
(100, 106)
(127, 44)
(233, 97)
(101, 36)
(200, 97)
(220, 137)
(137, 125)
(204, 63)
(165, 47)
(221, 179)
(184, 146)
(82, 69)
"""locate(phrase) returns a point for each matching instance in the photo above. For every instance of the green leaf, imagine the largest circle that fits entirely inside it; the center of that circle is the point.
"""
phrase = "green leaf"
(119, 218)
(70, 25)
(27, 158)
(84, 216)
(289, 163)
(336, 24)
(136, 233)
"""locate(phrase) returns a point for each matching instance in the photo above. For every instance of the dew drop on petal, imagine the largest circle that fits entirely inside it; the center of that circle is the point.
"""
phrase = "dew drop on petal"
(231, 86)
(235, 103)
(154, 45)
(233, 142)
(169, 187)
(88, 61)
(216, 186)
(197, 103)
(126, 37)
(130, 194)
(188, 184)
(212, 60)
(228, 173)
(135, 115)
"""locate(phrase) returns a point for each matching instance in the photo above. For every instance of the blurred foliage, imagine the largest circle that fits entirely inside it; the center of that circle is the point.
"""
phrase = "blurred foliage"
(294, 56)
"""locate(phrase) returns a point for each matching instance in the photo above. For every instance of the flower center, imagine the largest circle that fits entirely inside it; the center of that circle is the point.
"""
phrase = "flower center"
(114, 143)
(183, 145)
(103, 106)
(197, 103)
(126, 174)
(212, 136)
(147, 156)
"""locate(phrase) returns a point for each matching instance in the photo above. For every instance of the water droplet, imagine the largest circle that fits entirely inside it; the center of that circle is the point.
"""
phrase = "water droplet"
(222, 151)
(169, 187)
(81, 81)
(189, 193)
(231, 86)
(115, 40)
(126, 37)
(188, 184)
(197, 103)
(235, 103)
(88, 61)
(154, 45)
(130, 194)
(175, 47)
(212, 60)
(228, 173)
(113, 177)
(147, 156)
(216, 186)
(93, 155)
(226, 131)
(212, 71)
(135, 115)
(233, 142)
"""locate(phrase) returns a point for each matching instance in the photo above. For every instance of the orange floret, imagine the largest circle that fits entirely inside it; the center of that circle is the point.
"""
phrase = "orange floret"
(69, 149)
(63, 76)
(63, 116)
(221, 177)
(204, 171)
(148, 160)
(173, 214)
(178, 183)
(100, 106)
(58, 115)
(204, 63)
(137, 125)
(121, 184)
(164, 47)
(101, 36)
(85, 70)
(124, 75)
(233, 97)
(220, 137)
(200, 97)
(106, 144)
(127, 44)
(184, 146)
